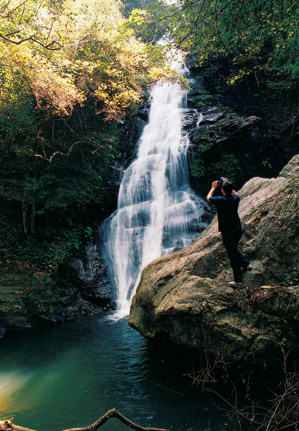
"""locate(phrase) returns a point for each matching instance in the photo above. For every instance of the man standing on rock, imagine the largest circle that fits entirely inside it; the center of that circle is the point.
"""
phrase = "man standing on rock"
(230, 226)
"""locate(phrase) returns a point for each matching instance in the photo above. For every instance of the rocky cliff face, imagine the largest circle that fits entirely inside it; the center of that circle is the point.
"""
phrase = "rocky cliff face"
(185, 297)
(230, 135)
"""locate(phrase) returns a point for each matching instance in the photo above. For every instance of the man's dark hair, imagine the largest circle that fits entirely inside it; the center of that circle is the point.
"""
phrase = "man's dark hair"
(227, 187)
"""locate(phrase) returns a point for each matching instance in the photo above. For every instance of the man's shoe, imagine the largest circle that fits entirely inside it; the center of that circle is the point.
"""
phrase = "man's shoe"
(247, 267)
(235, 283)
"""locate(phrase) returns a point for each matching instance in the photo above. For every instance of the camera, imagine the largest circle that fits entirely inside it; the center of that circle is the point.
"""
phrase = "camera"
(221, 181)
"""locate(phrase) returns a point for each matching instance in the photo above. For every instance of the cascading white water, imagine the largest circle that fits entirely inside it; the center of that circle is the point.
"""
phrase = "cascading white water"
(157, 212)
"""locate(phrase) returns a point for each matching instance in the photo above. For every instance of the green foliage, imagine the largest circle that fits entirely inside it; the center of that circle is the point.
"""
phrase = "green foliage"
(47, 198)
(260, 38)
(197, 168)
(70, 73)
(226, 167)
(88, 232)
(96, 55)
(223, 165)
(266, 163)
(292, 279)
(47, 250)
(130, 5)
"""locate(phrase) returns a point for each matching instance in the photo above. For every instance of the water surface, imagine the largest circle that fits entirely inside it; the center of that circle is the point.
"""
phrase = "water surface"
(70, 375)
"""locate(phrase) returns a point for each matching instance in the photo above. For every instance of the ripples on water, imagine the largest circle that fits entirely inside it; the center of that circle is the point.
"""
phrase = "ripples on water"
(70, 375)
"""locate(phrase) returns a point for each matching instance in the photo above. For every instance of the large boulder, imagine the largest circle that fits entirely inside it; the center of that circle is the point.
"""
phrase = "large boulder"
(185, 297)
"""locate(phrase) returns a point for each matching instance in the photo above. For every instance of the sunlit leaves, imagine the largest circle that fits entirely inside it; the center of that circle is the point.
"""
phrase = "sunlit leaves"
(55, 93)
(29, 20)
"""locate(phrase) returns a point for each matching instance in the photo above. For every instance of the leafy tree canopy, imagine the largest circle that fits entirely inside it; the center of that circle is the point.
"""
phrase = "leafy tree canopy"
(70, 73)
(260, 37)
(90, 51)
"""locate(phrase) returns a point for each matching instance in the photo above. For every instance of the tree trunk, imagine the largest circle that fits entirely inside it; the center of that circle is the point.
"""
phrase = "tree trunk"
(8, 425)
(24, 212)
(32, 218)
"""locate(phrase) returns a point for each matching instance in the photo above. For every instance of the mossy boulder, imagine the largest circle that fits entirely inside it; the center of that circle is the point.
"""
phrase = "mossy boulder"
(29, 298)
(23, 294)
(185, 297)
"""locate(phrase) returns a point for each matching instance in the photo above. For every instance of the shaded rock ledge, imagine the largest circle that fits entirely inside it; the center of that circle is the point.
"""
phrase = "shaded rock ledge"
(185, 297)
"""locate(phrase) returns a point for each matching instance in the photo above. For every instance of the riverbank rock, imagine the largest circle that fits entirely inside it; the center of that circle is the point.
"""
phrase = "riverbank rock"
(185, 297)
(29, 299)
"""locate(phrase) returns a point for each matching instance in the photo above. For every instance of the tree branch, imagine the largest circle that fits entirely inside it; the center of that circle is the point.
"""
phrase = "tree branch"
(48, 160)
(113, 413)
(51, 46)
(13, 10)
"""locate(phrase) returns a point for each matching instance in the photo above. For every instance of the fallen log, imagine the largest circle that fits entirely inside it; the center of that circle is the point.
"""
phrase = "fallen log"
(113, 413)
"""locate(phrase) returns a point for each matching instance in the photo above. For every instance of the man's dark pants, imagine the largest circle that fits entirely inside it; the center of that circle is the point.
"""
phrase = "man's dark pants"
(231, 239)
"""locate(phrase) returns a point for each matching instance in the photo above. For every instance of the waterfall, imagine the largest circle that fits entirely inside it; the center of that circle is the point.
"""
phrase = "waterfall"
(157, 211)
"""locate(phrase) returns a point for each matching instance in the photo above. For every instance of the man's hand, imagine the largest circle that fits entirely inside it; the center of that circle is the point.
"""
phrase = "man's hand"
(211, 192)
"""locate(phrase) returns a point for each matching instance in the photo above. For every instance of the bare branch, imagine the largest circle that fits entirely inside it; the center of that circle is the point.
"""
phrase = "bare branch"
(51, 46)
(206, 375)
(13, 10)
(113, 413)
(48, 160)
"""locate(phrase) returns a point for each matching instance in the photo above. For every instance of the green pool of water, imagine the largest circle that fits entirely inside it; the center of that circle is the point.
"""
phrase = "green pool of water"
(69, 375)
